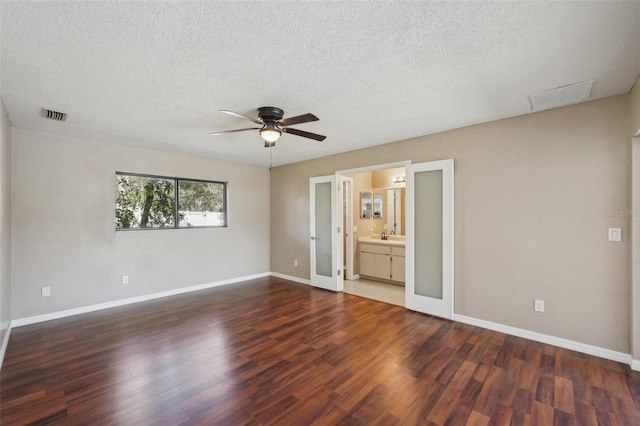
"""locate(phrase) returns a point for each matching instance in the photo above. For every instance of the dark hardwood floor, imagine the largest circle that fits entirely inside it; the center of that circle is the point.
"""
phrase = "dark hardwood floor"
(270, 351)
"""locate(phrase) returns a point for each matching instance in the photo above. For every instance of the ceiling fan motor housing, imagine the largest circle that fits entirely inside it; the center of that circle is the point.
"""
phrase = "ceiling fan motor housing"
(270, 114)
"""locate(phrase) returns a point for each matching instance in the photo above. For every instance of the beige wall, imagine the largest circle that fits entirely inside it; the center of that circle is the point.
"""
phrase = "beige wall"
(384, 178)
(532, 195)
(361, 183)
(64, 227)
(5, 222)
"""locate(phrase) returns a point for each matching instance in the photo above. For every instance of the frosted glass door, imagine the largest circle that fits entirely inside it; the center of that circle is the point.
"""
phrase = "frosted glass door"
(325, 233)
(428, 233)
(322, 231)
(429, 266)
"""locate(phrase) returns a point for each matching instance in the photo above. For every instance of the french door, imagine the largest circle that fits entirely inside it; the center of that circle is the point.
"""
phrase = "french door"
(429, 241)
(325, 234)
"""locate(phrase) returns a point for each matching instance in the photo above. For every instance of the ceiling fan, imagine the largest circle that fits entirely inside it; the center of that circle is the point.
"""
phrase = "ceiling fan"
(273, 125)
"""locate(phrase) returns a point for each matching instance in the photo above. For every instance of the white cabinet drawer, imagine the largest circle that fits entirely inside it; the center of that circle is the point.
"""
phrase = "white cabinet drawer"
(374, 248)
(397, 251)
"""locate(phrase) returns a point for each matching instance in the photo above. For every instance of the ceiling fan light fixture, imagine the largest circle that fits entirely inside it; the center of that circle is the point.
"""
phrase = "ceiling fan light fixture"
(270, 133)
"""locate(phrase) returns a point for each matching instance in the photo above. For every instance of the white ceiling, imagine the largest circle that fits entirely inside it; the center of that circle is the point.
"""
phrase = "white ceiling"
(155, 74)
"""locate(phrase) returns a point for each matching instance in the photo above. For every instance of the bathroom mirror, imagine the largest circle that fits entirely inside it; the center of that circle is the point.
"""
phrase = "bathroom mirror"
(371, 205)
(393, 210)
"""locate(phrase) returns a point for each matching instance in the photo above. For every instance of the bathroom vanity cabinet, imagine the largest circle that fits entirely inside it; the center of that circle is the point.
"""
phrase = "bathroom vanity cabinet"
(382, 260)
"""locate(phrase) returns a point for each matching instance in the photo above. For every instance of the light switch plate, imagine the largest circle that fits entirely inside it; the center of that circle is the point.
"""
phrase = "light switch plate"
(615, 234)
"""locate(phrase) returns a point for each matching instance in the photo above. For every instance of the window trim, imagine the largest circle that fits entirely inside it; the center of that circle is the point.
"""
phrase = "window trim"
(176, 218)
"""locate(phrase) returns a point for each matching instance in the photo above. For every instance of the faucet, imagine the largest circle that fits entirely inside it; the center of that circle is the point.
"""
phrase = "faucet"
(392, 232)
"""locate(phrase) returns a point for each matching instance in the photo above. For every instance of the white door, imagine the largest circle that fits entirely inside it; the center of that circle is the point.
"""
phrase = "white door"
(429, 240)
(326, 237)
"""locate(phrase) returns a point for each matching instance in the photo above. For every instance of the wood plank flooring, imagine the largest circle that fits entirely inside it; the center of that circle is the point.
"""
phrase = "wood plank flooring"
(270, 351)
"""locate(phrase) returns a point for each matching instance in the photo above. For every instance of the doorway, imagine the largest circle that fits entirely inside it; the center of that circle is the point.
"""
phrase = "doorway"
(373, 199)
(420, 262)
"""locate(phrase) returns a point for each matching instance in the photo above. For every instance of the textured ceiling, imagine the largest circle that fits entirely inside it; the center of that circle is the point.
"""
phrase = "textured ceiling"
(155, 74)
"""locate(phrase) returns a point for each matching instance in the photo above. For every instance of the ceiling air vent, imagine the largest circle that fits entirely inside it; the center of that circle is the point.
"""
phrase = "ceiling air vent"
(561, 96)
(53, 115)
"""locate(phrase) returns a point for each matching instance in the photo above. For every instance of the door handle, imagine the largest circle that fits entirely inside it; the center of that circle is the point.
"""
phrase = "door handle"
(313, 238)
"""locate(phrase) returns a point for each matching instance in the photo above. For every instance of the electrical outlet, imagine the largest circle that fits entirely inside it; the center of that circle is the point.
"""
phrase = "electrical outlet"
(46, 291)
(615, 234)
(295, 263)
(125, 279)
(538, 305)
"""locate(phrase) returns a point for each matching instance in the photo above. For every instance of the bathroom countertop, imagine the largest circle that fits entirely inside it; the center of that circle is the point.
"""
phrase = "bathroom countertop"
(369, 240)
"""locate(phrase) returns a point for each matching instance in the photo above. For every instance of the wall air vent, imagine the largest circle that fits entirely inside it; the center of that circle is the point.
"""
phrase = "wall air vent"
(561, 96)
(54, 115)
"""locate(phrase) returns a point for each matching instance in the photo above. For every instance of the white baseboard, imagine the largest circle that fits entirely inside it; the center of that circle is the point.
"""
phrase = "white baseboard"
(526, 334)
(551, 340)
(291, 278)
(121, 302)
(514, 331)
(5, 342)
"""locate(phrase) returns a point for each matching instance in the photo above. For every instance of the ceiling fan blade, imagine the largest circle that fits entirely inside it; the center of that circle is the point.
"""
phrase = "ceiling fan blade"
(298, 119)
(235, 114)
(304, 134)
(233, 131)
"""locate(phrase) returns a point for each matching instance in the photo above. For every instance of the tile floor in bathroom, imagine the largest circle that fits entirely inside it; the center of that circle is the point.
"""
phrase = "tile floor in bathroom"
(389, 293)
